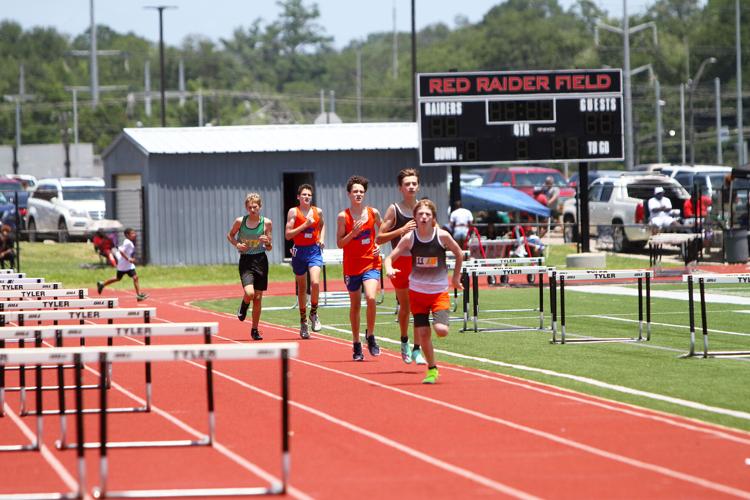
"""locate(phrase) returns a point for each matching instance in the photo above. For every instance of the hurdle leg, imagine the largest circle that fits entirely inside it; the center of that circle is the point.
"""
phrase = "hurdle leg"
(704, 320)
(475, 297)
(640, 309)
(648, 307)
(22, 380)
(285, 456)
(79, 426)
(562, 310)
(2, 383)
(39, 415)
(103, 459)
(210, 394)
(465, 283)
(691, 316)
(541, 300)
(61, 397)
(553, 304)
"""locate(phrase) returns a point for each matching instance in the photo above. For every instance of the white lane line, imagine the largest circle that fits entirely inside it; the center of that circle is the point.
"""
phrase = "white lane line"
(70, 482)
(689, 478)
(714, 298)
(670, 325)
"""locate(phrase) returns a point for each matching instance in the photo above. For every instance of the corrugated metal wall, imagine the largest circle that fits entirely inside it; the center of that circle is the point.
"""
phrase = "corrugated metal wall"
(192, 200)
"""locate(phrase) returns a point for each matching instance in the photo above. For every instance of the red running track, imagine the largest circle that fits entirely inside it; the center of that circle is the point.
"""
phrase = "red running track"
(373, 429)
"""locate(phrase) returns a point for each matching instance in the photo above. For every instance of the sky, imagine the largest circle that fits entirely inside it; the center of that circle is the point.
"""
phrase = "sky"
(345, 20)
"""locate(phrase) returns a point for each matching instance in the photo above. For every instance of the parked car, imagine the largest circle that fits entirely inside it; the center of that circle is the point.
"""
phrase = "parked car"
(594, 175)
(27, 181)
(14, 194)
(617, 203)
(67, 207)
(527, 178)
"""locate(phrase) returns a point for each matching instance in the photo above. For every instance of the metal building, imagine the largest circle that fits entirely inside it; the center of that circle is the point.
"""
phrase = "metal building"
(195, 180)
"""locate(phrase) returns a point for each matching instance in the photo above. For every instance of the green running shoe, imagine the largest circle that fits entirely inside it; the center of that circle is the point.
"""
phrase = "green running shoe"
(406, 352)
(432, 376)
(418, 357)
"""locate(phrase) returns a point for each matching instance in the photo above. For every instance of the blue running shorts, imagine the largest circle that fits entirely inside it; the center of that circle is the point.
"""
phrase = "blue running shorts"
(354, 283)
(304, 257)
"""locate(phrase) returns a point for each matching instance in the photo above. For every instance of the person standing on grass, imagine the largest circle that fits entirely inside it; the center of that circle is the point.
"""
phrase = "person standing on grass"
(251, 236)
(355, 233)
(304, 225)
(398, 222)
(428, 283)
(125, 265)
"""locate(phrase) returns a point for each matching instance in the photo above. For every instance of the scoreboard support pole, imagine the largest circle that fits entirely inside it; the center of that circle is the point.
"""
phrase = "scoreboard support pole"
(583, 198)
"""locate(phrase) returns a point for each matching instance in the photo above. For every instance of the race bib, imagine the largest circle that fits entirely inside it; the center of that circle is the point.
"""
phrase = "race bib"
(427, 262)
(365, 241)
(308, 235)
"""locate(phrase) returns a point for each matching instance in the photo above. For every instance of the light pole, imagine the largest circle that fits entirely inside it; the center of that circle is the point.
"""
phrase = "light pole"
(691, 90)
(161, 8)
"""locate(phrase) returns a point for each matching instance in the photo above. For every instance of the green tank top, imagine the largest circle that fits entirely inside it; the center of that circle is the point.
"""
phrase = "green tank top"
(252, 236)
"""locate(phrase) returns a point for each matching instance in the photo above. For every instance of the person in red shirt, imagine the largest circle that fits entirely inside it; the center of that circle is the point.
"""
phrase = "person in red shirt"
(104, 245)
(355, 233)
(304, 225)
(398, 222)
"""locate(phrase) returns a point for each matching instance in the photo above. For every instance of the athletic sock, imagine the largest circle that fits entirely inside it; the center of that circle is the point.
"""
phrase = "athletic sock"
(416, 346)
(404, 340)
(302, 315)
(313, 308)
(433, 367)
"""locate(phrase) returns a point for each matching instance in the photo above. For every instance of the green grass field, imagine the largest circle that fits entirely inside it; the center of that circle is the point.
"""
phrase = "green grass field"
(654, 367)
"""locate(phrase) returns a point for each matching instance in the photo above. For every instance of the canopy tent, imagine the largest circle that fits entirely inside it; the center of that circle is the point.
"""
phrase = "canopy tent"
(499, 197)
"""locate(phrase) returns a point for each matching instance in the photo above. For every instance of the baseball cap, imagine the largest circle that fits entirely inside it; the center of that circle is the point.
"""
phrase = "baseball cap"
(658, 190)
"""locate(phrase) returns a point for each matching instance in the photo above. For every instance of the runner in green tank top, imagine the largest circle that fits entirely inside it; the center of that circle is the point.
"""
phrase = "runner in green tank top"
(251, 236)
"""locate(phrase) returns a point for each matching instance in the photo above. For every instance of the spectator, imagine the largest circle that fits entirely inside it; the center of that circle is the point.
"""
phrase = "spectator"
(7, 247)
(460, 221)
(552, 194)
(541, 197)
(704, 205)
(104, 245)
(659, 209)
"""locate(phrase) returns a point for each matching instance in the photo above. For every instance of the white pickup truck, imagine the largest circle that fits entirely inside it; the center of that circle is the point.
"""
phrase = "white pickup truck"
(617, 203)
(68, 208)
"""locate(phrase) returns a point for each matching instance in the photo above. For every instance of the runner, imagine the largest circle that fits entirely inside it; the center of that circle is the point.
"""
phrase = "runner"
(355, 233)
(428, 283)
(251, 236)
(125, 265)
(304, 225)
(398, 222)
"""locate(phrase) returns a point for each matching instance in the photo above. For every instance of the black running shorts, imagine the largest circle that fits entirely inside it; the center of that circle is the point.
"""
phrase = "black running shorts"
(254, 270)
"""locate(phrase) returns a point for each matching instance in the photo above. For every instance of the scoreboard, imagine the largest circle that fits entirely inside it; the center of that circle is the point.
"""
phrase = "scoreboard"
(484, 118)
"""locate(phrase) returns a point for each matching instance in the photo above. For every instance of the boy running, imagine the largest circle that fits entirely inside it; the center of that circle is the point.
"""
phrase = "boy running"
(399, 221)
(125, 265)
(304, 225)
(355, 233)
(428, 283)
(251, 236)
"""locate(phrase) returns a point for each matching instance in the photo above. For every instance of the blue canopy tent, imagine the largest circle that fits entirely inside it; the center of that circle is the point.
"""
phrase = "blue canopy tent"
(499, 197)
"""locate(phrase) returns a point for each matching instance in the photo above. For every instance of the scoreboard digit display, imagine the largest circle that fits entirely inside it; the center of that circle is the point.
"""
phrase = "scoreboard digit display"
(483, 118)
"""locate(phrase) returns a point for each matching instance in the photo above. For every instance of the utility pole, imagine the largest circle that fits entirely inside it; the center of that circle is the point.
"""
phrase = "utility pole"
(147, 88)
(659, 146)
(18, 99)
(717, 96)
(741, 160)
(414, 60)
(181, 82)
(626, 31)
(161, 9)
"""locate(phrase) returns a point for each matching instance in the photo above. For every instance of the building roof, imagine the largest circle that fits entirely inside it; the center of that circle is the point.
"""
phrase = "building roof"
(273, 138)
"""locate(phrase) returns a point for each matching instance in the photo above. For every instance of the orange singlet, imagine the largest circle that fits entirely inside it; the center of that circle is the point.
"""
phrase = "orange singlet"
(359, 254)
(310, 235)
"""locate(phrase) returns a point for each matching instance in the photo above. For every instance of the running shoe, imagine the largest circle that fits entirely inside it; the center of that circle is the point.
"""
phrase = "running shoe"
(99, 287)
(357, 348)
(372, 345)
(432, 376)
(255, 334)
(242, 310)
(315, 322)
(303, 332)
(406, 352)
(141, 297)
(418, 357)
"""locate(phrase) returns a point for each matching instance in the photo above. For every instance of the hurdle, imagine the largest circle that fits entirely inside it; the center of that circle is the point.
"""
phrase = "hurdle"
(506, 262)
(7, 271)
(475, 272)
(105, 355)
(599, 275)
(113, 330)
(703, 279)
(56, 293)
(5, 280)
(23, 285)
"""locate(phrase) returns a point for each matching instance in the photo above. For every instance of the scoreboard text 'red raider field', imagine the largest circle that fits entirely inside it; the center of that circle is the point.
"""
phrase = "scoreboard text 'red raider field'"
(520, 117)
